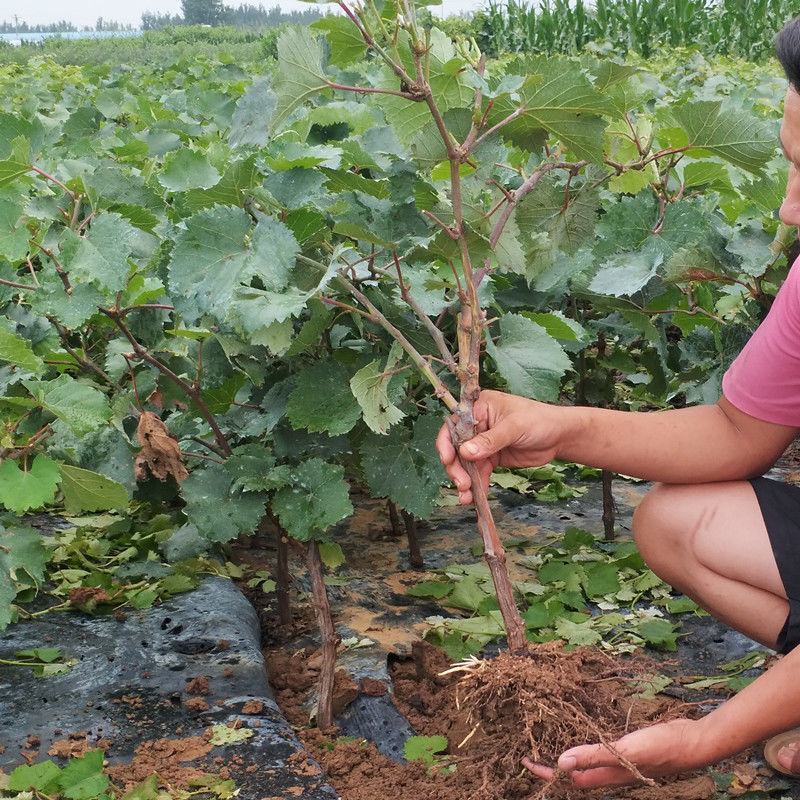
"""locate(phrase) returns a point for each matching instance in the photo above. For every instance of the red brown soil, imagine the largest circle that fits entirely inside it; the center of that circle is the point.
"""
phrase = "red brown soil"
(252, 707)
(76, 745)
(198, 685)
(294, 675)
(373, 688)
(196, 704)
(539, 703)
(166, 758)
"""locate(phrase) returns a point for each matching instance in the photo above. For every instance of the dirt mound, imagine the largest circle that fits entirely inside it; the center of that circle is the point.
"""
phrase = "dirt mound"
(166, 758)
(495, 712)
(537, 704)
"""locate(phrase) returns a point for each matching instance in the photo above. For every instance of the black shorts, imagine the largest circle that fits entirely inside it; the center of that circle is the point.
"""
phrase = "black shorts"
(780, 507)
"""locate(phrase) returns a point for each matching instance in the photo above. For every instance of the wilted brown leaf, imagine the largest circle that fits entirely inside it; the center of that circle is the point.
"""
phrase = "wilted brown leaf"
(160, 455)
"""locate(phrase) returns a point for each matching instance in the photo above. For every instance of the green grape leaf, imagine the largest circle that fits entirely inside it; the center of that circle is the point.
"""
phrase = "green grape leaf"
(85, 490)
(11, 169)
(81, 407)
(322, 400)
(23, 551)
(299, 74)
(731, 132)
(530, 361)
(14, 234)
(370, 387)
(424, 748)
(42, 777)
(100, 257)
(659, 633)
(331, 554)
(83, 778)
(16, 351)
(346, 44)
(187, 169)
(579, 634)
(317, 498)
(253, 115)
(403, 465)
(219, 511)
(557, 98)
(24, 490)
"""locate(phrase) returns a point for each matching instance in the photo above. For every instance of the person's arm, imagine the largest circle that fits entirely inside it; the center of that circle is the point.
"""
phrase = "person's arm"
(769, 705)
(689, 445)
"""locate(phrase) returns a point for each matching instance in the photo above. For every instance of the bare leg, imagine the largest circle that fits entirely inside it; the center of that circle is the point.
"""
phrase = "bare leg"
(710, 542)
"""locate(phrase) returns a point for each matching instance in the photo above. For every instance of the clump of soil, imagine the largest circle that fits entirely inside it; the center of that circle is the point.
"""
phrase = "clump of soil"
(294, 675)
(76, 745)
(196, 704)
(537, 704)
(166, 758)
(198, 686)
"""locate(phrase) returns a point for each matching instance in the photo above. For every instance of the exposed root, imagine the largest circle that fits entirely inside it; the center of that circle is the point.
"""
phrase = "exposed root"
(536, 705)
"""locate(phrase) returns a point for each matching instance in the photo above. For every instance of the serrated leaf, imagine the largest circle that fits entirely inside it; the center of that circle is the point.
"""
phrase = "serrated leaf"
(23, 490)
(187, 169)
(601, 579)
(10, 170)
(17, 351)
(222, 735)
(85, 490)
(403, 465)
(299, 75)
(253, 115)
(580, 634)
(42, 777)
(317, 498)
(370, 387)
(346, 44)
(220, 512)
(81, 407)
(322, 400)
(659, 633)
(530, 361)
(23, 554)
(557, 98)
(731, 132)
(331, 554)
(83, 778)
(424, 748)
(100, 257)
(14, 234)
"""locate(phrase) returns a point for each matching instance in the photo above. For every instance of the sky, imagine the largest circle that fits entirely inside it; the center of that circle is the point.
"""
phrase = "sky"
(86, 12)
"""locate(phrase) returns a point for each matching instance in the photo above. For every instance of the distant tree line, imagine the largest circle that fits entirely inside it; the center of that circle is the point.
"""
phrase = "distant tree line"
(193, 12)
(215, 12)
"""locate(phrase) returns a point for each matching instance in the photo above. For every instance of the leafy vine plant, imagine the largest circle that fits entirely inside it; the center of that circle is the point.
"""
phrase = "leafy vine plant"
(421, 69)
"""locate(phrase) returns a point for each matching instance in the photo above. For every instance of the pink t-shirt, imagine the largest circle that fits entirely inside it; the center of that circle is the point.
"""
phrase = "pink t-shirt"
(764, 380)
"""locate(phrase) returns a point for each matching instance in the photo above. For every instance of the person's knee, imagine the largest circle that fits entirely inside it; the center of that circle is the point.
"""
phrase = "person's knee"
(658, 529)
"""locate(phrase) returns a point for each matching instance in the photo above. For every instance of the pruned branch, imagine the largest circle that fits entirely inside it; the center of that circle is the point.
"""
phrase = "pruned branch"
(435, 333)
(440, 390)
(192, 392)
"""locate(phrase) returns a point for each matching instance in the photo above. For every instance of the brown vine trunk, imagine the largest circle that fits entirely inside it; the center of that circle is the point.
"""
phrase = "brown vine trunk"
(609, 507)
(495, 556)
(330, 641)
(414, 553)
(282, 579)
(394, 519)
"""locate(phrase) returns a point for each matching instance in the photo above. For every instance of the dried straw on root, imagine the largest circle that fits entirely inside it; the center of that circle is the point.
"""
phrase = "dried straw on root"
(538, 704)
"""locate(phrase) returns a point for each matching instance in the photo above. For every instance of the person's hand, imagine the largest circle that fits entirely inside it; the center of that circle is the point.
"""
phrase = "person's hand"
(664, 749)
(512, 432)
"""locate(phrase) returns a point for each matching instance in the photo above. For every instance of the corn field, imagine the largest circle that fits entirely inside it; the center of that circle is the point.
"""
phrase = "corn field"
(742, 28)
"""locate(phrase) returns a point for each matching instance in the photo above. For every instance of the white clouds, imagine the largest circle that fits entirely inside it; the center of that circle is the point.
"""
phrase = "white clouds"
(36, 12)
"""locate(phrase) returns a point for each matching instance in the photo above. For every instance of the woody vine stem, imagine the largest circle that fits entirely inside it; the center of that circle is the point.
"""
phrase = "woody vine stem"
(472, 321)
